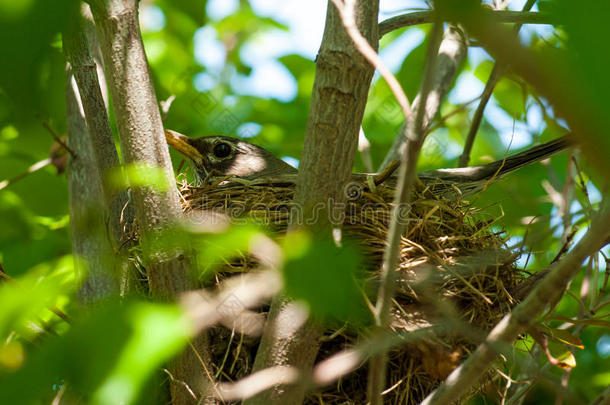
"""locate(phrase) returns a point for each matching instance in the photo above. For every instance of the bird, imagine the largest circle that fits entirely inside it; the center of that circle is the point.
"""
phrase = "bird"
(224, 155)
(230, 156)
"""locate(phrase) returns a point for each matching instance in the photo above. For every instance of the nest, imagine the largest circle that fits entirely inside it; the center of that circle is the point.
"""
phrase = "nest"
(452, 264)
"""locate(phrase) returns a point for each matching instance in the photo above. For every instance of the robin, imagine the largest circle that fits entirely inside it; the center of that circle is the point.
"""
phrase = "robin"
(229, 156)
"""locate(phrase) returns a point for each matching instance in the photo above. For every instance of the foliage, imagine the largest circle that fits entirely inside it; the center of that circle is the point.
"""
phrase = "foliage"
(115, 349)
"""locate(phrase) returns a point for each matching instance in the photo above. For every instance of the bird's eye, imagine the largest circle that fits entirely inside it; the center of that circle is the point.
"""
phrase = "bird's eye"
(222, 150)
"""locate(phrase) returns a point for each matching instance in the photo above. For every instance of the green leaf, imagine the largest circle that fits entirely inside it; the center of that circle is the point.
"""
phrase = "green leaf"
(139, 175)
(106, 357)
(328, 278)
(563, 357)
(483, 70)
(158, 332)
(564, 336)
(510, 97)
(27, 299)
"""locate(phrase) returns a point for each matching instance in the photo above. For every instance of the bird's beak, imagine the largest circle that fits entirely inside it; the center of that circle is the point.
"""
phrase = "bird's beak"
(181, 144)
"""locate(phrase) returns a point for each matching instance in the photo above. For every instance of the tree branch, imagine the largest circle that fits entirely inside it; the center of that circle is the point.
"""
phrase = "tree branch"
(452, 52)
(415, 132)
(508, 329)
(143, 142)
(496, 73)
(80, 43)
(425, 17)
(89, 240)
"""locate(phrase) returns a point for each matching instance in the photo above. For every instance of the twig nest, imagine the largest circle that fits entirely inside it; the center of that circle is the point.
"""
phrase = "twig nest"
(454, 281)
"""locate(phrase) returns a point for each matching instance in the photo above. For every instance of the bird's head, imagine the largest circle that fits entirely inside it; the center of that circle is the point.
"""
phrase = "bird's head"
(227, 156)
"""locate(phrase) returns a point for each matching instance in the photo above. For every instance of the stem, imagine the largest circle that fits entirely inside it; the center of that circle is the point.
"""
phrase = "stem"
(496, 73)
(406, 176)
(425, 17)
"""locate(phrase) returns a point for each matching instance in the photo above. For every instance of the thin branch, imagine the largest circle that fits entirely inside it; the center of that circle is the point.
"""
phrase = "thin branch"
(58, 139)
(425, 17)
(415, 134)
(34, 168)
(603, 398)
(458, 109)
(496, 73)
(452, 52)
(494, 78)
(516, 322)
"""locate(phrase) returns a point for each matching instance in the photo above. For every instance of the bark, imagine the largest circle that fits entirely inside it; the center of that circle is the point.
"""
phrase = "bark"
(143, 142)
(80, 43)
(90, 245)
(341, 85)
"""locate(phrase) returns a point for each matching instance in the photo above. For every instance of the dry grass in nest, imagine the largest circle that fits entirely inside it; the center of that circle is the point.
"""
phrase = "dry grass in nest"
(451, 263)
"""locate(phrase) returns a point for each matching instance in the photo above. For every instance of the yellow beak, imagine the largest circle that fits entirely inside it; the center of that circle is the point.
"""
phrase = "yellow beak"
(180, 142)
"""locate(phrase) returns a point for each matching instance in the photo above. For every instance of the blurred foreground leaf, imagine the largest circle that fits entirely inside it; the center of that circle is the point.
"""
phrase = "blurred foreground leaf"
(328, 278)
(125, 342)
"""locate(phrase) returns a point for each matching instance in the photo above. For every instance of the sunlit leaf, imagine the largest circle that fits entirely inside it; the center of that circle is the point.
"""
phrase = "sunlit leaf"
(564, 336)
(125, 342)
(28, 298)
(158, 333)
(326, 277)
(139, 175)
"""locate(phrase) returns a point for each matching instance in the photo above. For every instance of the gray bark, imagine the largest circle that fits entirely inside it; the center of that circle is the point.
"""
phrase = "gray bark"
(80, 43)
(143, 142)
(341, 85)
(90, 245)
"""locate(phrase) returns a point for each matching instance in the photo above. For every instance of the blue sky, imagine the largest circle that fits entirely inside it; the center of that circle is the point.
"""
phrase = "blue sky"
(305, 22)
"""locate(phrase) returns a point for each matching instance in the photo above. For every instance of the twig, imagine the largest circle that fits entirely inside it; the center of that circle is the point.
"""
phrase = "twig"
(603, 398)
(415, 134)
(509, 328)
(34, 168)
(425, 17)
(496, 73)
(477, 118)
(458, 109)
(58, 139)
(451, 53)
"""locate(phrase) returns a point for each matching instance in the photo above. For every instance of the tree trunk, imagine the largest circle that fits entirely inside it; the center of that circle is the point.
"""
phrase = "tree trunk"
(343, 78)
(143, 143)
